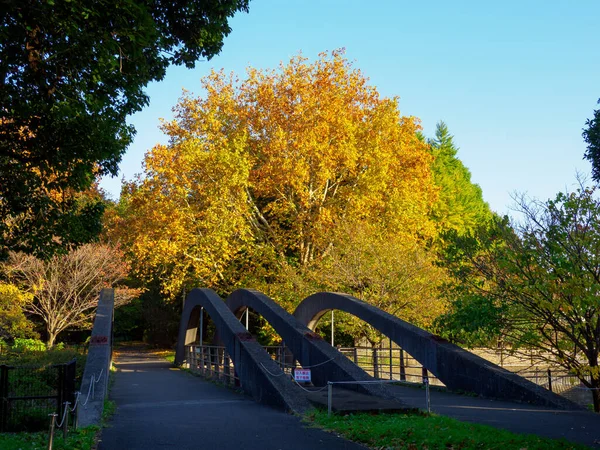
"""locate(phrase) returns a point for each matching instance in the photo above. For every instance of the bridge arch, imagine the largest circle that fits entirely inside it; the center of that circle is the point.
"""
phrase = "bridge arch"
(458, 369)
(325, 361)
(252, 364)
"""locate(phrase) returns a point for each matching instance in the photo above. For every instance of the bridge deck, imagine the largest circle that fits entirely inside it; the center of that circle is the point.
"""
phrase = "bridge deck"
(162, 407)
(159, 406)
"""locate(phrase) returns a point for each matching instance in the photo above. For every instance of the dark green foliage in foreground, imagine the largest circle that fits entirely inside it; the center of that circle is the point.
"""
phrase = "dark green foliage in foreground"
(81, 439)
(43, 358)
(417, 431)
(32, 374)
(71, 72)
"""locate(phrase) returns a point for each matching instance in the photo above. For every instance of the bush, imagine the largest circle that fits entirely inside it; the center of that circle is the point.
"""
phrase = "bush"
(28, 345)
(32, 375)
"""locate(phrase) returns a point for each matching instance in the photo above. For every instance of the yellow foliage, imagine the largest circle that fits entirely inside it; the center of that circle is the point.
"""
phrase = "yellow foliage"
(281, 158)
(13, 322)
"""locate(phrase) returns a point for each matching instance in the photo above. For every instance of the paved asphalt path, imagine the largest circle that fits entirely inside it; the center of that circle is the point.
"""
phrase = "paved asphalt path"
(160, 407)
(575, 426)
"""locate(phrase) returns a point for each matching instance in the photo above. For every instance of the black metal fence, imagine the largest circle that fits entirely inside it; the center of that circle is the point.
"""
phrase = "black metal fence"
(391, 363)
(28, 394)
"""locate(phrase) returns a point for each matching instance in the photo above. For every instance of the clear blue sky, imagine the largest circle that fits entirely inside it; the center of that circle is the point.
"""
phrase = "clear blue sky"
(514, 80)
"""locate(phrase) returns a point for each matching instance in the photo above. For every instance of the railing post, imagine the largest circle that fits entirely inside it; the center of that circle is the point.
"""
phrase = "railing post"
(391, 366)
(51, 431)
(355, 356)
(66, 424)
(427, 396)
(424, 375)
(375, 363)
(70, 374)
(549, 380)
(329, 397)
(201, 359)
(227, 368)
(75, 419)
(220, 352)
(209, 359)
(201, 325)
(60, 392)
(402, 366)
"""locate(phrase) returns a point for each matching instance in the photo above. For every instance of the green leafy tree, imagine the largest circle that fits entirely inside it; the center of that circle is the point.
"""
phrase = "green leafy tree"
(460, 205)
(74, 219)
(537, 283)
(375, 266)
(591, 135)
(70, 74)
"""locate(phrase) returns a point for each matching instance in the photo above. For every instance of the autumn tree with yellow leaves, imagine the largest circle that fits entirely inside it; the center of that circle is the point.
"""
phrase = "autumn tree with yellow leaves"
(265, 172)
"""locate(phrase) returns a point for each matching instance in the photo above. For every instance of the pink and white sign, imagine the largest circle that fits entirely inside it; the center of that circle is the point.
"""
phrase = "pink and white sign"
(302, 375)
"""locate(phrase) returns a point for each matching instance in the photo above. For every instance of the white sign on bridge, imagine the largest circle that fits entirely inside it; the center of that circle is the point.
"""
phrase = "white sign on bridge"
(302, 375)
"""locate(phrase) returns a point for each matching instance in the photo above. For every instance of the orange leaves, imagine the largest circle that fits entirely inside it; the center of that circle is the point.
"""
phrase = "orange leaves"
(281, 158)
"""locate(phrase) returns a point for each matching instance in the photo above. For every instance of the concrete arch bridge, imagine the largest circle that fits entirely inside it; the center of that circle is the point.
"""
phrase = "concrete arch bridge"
(268, 381)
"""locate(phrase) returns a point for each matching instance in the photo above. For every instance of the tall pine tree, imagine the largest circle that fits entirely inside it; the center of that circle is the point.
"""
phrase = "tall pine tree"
(460, 206)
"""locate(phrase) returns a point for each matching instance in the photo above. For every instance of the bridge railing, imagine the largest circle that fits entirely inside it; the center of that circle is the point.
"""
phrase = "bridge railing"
(390, 364)
(213, 362)
(555, 380)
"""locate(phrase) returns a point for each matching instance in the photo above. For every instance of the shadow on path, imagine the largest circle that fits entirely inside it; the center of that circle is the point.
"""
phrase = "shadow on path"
(160, 407)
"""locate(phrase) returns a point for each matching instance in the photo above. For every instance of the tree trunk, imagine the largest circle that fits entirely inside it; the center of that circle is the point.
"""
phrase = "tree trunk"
(51, 338)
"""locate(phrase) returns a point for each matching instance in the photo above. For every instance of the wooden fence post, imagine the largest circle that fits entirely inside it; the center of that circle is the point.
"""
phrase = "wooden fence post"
(375, 363)
(402, 366)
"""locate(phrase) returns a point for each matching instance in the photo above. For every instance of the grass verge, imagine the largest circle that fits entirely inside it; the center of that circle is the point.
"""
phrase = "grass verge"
(169, 355)
(428, 432)
(81, 439)
(108, 410)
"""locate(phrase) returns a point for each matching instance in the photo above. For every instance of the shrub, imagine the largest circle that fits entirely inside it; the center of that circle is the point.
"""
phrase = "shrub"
(28, 345)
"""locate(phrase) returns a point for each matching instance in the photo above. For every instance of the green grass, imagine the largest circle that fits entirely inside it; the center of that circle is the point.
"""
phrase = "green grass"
(81, 439)
(108, 410)
(428, 432)
(169, 355)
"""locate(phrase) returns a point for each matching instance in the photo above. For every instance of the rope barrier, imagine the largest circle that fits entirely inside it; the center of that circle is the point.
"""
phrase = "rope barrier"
(320, 364)
(89, 390)
(271, 373)
(92, 387)
(65, 412)
(375, 382)
(77, 394)
(308, 390)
